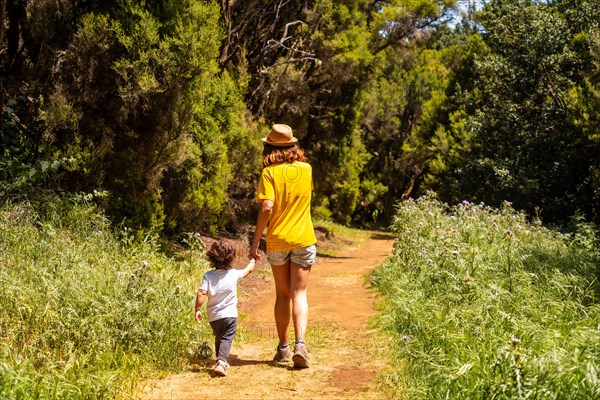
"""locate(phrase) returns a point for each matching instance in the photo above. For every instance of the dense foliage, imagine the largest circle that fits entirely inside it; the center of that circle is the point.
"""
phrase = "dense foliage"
(85, 312)
(129, 96)
(155, 108)
(482, 304)
(530, 142)
(153, 111)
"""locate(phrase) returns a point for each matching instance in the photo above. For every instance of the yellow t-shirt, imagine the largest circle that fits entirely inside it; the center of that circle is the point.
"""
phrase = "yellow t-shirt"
(289, 186)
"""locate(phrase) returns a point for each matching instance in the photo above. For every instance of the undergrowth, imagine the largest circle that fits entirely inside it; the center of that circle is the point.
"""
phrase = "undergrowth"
(483, 304)
(85, 312)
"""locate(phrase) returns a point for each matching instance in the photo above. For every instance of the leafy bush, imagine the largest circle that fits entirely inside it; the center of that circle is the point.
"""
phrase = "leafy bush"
(83, 313)
(483, 304)
(132, 95)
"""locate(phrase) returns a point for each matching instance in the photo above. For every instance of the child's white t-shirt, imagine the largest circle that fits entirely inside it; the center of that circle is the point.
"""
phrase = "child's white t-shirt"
(221, 288)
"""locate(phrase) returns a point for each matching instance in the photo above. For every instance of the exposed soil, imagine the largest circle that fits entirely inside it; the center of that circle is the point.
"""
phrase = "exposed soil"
(345, 358)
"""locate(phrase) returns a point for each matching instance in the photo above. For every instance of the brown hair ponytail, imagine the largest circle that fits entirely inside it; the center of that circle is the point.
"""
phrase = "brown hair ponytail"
(273, 155)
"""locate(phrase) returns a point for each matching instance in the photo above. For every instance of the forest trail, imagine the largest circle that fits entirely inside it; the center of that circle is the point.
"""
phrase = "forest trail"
(343, 352)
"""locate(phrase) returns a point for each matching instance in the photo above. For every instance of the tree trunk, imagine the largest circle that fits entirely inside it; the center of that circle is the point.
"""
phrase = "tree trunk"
(2, 28)
(2, 25)
(226, 13)
(12, 34)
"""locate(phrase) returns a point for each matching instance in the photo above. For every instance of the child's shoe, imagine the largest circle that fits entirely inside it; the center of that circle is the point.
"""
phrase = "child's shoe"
(221, 368)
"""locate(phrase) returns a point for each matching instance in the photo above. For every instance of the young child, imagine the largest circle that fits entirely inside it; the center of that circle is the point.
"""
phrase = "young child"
(220, 285)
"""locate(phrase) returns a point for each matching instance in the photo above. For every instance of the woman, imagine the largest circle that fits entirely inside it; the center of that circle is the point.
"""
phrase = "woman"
(284, 190)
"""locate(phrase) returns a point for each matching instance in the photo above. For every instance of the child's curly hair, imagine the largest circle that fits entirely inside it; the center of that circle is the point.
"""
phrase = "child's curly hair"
(221, 254)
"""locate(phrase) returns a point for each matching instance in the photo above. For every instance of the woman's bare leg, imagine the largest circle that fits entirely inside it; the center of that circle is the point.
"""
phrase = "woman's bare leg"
(281, 275)
(298, 285)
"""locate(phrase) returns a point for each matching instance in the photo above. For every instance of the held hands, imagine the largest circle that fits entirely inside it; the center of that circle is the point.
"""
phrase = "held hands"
(253, 252)
(198, 316)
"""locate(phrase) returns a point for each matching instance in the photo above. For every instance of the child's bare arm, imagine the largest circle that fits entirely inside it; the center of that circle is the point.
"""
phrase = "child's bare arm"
(200, 296)
(249, 268)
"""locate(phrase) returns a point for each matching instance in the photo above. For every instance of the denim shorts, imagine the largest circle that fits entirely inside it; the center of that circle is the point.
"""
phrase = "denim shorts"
(303, 256)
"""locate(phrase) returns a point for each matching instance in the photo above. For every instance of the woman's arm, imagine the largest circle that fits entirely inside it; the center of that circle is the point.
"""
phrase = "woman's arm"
(261, 223)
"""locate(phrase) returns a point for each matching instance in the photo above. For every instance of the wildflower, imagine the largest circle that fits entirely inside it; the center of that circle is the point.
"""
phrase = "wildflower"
(515, 340)
(406, 338)
(508, 232)
(146, 263)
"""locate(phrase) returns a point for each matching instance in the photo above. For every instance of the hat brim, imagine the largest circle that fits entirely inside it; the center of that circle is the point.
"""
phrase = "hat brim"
(280, 144)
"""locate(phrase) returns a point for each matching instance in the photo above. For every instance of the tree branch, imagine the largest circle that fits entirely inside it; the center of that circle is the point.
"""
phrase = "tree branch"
(290, 60)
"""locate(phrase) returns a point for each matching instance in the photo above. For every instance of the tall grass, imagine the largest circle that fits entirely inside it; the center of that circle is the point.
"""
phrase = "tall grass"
(85, 312)
(482, 304)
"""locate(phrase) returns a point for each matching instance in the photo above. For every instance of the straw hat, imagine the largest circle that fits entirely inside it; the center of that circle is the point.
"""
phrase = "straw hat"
(280, 135)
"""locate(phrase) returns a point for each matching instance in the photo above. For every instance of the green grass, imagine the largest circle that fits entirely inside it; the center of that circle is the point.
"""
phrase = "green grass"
(341, 231)
(342, 238)
(482, 304)
(84, 312)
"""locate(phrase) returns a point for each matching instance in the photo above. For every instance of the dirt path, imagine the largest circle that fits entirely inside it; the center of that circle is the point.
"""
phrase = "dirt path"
(339, 342)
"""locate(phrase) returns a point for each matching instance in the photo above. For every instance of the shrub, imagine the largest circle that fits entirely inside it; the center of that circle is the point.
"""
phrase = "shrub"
(85, 313)
(482, 304)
